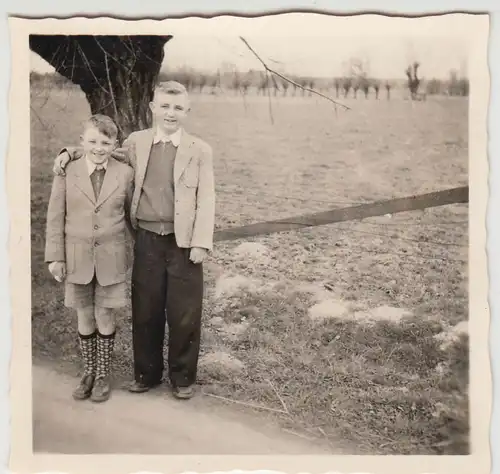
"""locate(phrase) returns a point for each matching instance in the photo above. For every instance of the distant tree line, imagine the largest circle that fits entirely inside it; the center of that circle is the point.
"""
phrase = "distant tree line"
(257, 82)
(454, 86)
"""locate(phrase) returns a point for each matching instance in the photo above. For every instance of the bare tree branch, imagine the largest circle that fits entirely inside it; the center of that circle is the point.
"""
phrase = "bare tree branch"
(270, 101)
(111, 88)
(44, 125)
(106, 53)
(268, 69)
(82, 54)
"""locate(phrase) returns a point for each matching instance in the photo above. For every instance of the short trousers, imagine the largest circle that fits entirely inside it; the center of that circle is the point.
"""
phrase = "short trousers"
(93, 294)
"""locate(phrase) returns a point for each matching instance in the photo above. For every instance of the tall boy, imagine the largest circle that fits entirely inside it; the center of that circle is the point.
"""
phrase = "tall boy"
(173, 211)
(86, 245)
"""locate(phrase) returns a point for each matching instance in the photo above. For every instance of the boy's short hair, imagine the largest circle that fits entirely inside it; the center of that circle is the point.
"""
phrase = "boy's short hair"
(171, 87)
(104, 124)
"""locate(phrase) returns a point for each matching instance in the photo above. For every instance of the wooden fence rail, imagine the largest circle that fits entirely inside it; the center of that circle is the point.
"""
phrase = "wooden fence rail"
(379, 208)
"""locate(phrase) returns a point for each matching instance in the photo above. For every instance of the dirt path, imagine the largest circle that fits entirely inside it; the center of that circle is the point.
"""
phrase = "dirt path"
(152, 423)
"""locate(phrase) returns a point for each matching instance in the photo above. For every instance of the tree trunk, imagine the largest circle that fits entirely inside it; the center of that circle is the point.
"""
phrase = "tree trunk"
(128, 102)
(116, 73)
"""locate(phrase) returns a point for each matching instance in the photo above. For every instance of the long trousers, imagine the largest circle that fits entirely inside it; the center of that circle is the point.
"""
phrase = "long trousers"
(166, 288)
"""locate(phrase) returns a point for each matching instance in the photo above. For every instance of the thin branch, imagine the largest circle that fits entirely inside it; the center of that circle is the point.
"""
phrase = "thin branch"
(112, 57)
(104, 106)
(82, 54)
(137, 45)
(73, 65)
(327, 439)
(279, 396)
(130, 50)
(111, 89)
(270, 102)
(40, 119)
(275, 82)
(300, 435)
(46, 98)
(289, 80)
(251, 405)
(55, 53)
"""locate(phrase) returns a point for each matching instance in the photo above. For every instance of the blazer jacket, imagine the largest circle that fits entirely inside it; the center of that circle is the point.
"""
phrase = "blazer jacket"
(90, 235)
(194, 188)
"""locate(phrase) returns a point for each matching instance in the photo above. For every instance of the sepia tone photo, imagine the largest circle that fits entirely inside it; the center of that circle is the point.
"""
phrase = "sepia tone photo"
(250, 237)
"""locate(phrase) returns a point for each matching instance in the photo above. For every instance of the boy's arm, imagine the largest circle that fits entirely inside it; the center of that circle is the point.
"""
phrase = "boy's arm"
(64, 156)
(56, 217)
(70, 153)
(128, 204)
(203, 228)
(125, 152)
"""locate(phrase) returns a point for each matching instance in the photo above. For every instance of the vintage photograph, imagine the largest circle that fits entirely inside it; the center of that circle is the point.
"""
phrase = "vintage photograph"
(250, 236)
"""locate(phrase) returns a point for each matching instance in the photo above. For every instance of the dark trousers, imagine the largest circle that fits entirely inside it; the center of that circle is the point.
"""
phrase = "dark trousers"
(166, 287)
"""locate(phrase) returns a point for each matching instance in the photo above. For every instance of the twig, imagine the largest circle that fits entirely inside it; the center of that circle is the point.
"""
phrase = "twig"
(112, 57)
(40, 120)
(251, 405)
(300, 435)
(82, 54)
(267, 68)
(327, 439)
(390, 353)
(322, 431)
(110, 85)
(270, 102)
(278, 395)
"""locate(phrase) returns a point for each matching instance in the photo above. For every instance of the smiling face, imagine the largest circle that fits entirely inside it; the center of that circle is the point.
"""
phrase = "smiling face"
(169, 110)
(96, 145)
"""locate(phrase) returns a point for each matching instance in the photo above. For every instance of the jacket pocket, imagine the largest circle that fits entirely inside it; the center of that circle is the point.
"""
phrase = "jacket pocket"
(115, 257)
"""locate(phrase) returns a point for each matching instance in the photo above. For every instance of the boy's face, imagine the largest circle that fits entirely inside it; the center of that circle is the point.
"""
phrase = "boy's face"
(97, 146)
(169, 110)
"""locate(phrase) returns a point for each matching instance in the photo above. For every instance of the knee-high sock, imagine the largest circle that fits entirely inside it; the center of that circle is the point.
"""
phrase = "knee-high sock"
(105, 347)
(88, 349)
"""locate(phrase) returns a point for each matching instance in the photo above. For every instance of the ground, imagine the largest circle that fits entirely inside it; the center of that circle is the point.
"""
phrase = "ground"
(126, 422)
(385, 384)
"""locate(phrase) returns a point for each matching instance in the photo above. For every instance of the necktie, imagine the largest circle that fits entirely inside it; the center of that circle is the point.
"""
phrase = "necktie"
(97, 178)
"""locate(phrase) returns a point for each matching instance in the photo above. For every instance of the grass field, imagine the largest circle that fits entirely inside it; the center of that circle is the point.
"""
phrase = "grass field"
(381, 387)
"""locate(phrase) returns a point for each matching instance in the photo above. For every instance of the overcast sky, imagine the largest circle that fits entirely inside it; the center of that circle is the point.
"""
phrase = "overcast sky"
(318, 45)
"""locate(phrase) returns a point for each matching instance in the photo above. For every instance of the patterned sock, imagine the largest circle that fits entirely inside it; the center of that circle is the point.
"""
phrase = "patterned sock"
(88, 349)
(105, 346)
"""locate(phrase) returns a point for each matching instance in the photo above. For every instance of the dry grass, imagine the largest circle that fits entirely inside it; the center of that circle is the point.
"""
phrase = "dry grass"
(385, 388)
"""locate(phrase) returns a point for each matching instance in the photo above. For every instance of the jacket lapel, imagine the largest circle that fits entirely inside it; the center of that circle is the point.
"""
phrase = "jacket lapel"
(82, 179)
(110, 182)
(143, 150)
(143, 144)
(183, 155)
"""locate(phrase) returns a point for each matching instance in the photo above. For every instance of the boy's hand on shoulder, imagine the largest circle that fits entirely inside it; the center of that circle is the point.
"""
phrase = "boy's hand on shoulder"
(58, 270)
(197, 254)
(60, 163)
(120, 154)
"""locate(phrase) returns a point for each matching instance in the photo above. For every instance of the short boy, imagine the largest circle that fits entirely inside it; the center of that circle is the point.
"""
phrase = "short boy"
(86, 246)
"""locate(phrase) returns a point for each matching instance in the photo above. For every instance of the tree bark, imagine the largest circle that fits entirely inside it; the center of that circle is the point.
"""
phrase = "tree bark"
(126, 100)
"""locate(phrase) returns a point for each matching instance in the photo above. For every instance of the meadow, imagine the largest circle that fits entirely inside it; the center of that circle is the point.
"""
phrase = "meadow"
(373, 386)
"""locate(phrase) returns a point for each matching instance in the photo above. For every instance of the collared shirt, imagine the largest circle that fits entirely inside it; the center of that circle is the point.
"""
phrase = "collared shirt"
(175, 138)
(92, 166)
